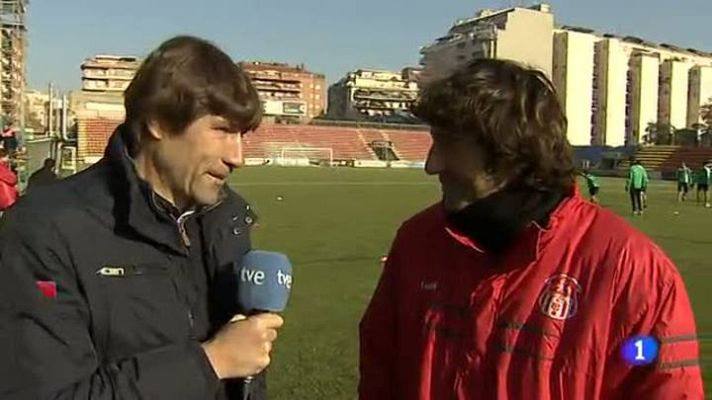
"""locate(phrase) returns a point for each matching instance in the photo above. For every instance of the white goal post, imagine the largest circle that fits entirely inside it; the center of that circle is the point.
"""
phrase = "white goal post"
(306, 156)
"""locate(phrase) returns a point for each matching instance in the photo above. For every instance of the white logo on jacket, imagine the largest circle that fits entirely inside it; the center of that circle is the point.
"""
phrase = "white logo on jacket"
(559, 298)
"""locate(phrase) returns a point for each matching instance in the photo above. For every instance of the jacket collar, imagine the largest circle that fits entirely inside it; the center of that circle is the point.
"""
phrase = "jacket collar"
(137, 206)
(534, 237)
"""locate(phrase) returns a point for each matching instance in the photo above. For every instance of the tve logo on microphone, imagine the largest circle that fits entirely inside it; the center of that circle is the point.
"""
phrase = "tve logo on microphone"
(264, 281)
(284, 279)
(257, 277)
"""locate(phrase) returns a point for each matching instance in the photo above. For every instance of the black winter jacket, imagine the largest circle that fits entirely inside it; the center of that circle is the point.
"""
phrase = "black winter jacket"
(102, 298)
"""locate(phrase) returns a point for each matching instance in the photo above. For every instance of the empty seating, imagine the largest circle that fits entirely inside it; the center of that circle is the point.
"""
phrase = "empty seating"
(410, 145)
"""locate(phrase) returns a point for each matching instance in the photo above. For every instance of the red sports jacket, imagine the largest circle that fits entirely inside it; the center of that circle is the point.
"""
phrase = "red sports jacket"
(8, 189)
(545, 321)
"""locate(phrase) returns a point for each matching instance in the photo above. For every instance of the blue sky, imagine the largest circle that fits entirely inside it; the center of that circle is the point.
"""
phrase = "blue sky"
(329, 36)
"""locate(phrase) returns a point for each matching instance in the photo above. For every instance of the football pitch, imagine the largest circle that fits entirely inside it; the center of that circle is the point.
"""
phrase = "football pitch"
(336, 224)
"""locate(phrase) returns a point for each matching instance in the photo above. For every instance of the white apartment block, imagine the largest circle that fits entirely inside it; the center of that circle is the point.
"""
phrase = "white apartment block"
(522, 34)
(674, 84)
(611, 65)
(643, 95)
(573, 71)
(369, 93)
(611, 87)
(700, 93)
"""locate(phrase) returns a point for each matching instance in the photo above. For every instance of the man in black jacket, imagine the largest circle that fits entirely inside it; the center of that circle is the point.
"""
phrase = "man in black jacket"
(43, 176)
(118, 282)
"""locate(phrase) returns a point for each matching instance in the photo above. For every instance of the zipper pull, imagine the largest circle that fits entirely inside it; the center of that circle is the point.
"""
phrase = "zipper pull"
(191, 320)
(111, 271)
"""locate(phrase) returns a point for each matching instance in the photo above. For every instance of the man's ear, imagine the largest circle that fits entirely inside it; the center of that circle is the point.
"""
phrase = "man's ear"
(154, 130)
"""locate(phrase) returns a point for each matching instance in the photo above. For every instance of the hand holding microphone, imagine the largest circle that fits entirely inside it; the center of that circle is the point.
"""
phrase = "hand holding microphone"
(242, 348)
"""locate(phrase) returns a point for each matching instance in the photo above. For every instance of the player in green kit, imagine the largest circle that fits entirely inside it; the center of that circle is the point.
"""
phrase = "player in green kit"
(703, 178)
(593, 186)
(684, 179)
(636, 184)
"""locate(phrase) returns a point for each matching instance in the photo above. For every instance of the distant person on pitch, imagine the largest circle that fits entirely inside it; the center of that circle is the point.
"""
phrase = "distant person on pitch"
(43, 176)
(120, 281)
(684, 180)
(9, 138)
(592, 185)
(704, 179)
(636, 186)
(513, 286)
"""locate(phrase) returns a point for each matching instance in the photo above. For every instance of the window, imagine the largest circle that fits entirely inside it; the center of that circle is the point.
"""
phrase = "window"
(318, 87)
(318, 97)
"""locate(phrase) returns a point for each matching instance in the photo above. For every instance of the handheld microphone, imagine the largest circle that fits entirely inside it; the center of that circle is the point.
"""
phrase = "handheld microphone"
(264, 281)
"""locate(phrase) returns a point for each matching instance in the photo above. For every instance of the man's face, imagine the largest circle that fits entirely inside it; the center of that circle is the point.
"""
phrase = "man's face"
(460, 166)
(193, 165)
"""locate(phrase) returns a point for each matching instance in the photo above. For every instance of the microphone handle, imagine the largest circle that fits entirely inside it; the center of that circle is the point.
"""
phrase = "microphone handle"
(247, 382)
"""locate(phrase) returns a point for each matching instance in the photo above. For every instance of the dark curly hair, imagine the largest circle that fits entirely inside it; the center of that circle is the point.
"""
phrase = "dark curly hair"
(512, 112)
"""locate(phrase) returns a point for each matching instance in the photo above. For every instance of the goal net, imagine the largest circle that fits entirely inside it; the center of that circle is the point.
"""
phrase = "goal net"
(305, 156)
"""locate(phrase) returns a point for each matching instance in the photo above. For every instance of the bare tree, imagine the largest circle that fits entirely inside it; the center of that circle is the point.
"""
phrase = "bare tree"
(660, 133)
(706, 113)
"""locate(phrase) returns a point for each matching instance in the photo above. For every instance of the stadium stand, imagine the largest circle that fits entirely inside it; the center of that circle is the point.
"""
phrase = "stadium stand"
(592, 156)
(410, 146)
(694, 157)
(652, 157)
(347, 143)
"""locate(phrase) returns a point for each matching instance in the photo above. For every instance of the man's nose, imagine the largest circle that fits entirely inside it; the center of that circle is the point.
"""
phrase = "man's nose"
(233, 152)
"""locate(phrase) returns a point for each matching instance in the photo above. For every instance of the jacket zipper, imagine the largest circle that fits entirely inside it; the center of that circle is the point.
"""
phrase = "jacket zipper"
(180, 222)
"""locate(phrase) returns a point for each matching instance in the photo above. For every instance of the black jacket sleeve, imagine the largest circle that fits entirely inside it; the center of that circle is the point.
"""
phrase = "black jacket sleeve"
(46, 345)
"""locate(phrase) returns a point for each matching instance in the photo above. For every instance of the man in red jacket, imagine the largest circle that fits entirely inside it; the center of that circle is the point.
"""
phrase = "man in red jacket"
(8, 182)
(514, 287)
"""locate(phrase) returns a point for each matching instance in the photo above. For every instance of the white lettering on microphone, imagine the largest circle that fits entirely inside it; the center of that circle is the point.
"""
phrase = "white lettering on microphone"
(284, 279)
(256, 277)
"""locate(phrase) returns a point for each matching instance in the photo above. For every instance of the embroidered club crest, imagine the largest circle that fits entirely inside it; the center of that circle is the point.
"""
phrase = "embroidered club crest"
(559, 298)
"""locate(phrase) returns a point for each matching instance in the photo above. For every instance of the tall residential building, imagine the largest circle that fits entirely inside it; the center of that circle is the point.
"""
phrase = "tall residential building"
(572, 74)
(108, 73)
(36, 110)
(672, 100)
(611, 63)
(373, 94)
(700, 93)
(521, 34)
(13, 49)
(643, 103)
(612, 87)
(289, 93)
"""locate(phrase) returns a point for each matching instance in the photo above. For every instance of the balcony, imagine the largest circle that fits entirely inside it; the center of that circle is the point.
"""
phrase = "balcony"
(276, 87)
(111, 62)
(111, 74)
(274, 76)
(361, 94)
(104, 85)
(379, 105)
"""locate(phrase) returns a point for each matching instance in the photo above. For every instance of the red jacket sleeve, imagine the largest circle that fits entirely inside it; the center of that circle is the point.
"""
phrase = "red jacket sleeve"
(378, 351)
(7, 176)
(665, 314)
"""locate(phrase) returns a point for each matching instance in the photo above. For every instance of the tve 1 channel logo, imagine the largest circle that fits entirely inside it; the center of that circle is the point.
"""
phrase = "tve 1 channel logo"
(640, 350)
